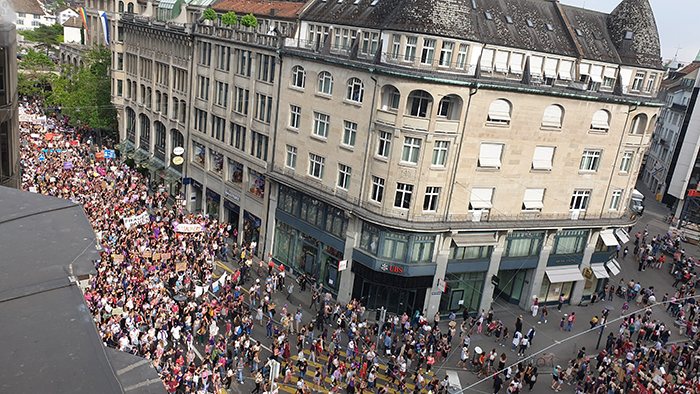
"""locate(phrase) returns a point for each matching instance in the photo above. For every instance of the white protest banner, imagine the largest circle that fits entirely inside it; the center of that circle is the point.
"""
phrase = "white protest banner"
(136, 220)
(198, 291)
(188, 228)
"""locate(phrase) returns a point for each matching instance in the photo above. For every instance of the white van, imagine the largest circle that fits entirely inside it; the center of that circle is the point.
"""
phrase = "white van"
(637, 201)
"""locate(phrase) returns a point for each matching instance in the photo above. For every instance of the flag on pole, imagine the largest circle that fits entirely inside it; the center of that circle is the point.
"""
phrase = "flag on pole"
(105, 25)
(83, 17)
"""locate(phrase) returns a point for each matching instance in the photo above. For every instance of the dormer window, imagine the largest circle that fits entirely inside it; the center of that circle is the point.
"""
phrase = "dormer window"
(488, 15)
(509, 20)
(628, 35)
(549, 27)
(529, 23)
(578, 33)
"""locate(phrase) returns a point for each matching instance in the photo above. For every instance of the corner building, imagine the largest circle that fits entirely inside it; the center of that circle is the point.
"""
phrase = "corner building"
(490, 145)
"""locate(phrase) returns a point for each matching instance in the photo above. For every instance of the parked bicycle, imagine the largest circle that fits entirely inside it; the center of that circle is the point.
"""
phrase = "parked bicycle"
(546, 359)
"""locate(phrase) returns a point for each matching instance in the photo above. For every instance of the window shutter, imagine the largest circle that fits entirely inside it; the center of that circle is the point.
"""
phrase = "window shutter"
(542, 159)
(502, 62)
(490, 155)
(499, 111)
(487, 60)
(550, 68)
(601, 120)
(536, 66)
(533, 199)
(481, 198)
(516, 63)
(552, 116)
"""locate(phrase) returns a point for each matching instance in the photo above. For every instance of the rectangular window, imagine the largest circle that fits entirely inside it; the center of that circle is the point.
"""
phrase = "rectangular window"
(377, 189)
(241, 96)
(238, 136)
(446, 54)
(533, 200)
(579, 200)
(258, 146)
(266, 68)
(404, 192)
(200, 120)
(411, 150)
(235, 172)
(222, 94)
(440, 153)
(432, 193)
(244, 59)
(422, 248)
(291, 161)
(470, 253)
(615, 199)
(344, 173)
(650, 83)
(365, 42)
(321, 124)
(120, 61)
(203, 88)
(638, 81)
(384, 145)
(120, 87)
(224, 57)
(523, 244)
(218, 127)
(426, 56)
(294, 116)
(490, 155)
(590, 160)
(570, 242)
(626, 161)
(410, 51)
(349, 133)
(316, 164)
(205, 54)
(263, 107)
(462, 56)
(481, 198)
(395, 46)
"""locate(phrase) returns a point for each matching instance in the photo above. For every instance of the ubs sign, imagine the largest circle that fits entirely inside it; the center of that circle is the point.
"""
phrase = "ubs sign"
(391, 268)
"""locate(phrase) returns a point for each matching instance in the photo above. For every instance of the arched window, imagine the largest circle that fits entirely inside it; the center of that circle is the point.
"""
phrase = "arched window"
(130, 8)
(639, 124)
(356, 90)
(130, 124)
(601, 120)
(145, 132)
(325, 83)
(390, 98)
(298, 77)
(419, 103)
(553, 116)
(449, 107)
(499, 112)
(121, 6)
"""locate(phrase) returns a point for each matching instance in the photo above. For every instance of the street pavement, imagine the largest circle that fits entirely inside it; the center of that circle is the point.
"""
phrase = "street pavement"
(549, 339)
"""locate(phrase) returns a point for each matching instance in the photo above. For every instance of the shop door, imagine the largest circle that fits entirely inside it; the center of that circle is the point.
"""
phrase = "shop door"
(510, 286)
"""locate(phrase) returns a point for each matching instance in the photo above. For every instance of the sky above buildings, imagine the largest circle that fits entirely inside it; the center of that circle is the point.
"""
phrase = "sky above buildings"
(676, 19)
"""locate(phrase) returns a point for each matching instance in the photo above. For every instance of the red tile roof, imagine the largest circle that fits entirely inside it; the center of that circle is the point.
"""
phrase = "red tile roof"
(277, 9)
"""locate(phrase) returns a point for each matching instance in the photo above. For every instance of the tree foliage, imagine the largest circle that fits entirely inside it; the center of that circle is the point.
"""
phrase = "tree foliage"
(210, 14)
(47, 37)
(249, 21)
(36, 74)
(229, 19)
(84, 93)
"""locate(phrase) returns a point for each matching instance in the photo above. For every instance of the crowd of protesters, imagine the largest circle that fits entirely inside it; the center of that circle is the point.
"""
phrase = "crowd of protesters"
(156, 295)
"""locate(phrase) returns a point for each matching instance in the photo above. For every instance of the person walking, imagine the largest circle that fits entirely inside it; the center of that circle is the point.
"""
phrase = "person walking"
(543, 315)
(535, 307)
(561, 302)
(290, 290)
(571, 319)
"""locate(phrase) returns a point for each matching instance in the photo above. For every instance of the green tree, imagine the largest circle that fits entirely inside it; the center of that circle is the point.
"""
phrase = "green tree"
(210, 14)
(249, 21)
(85, 92)
(36, 74)
(229, 19)
(47, 37)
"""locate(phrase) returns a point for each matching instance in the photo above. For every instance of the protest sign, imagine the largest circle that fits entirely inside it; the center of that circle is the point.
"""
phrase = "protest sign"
(136, 220)
(188, 228)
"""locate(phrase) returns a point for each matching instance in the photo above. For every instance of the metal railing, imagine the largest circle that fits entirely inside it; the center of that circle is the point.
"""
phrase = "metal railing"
(237, 34)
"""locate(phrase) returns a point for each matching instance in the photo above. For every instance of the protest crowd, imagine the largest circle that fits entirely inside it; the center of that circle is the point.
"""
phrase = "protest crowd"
(156, 295)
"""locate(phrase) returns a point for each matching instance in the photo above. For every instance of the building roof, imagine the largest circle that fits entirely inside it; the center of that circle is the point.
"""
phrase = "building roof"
(27, 6)
(51, 342)
(277, 9)
(73, 22)
(489, 21)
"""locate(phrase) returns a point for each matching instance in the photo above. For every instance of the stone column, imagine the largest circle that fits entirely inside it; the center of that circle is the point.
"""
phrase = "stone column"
(577, 292)
(432, 302)
(494, 267)
(539, 272)
(347, 277)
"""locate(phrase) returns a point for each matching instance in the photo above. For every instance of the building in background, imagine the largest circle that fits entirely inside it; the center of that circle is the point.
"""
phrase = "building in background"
(31, 14)
(65, 13)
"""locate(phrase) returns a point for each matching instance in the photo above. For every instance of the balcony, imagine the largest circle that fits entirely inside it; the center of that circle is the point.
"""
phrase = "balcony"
(236, 34)
(386, 117)
(446, 126)
(415, 123)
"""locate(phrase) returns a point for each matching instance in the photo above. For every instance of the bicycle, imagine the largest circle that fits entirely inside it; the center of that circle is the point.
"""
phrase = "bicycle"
(546, 359)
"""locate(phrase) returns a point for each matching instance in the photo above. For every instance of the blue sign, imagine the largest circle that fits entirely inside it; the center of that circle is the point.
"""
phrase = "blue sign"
(109, 154)
(42, 158)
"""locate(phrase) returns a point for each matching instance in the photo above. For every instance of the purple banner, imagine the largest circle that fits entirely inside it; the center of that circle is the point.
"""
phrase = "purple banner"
(67, 165)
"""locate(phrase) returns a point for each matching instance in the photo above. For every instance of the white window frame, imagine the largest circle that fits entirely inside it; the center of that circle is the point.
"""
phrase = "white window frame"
(411, 150)
(409, 54)
(299, 77)
(440, 149)
(638, 81)
(396, 46)
(404, 195)
(344, 174)
(590, 160)
(321, 124)
(446, 54)
(615, 199)
(626, 161)
(428, 51)
(294, 116)
(580, 200)
(316, 165)
(355, 91)
(650, 83)
(377, 192)
(462, 56)
(291, 160)
(490, 155)
(432, 196)
(349, 133)
(384, 144)
(325, 83)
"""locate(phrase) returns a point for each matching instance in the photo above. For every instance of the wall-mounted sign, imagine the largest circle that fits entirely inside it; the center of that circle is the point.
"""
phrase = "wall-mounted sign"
(342, 265)
(391, 268)
(177, 160)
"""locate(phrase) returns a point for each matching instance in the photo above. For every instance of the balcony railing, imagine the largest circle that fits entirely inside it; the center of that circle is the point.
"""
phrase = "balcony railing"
(237, 34)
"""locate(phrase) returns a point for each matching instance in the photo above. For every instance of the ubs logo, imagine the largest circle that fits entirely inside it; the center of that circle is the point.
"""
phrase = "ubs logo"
(391, 268)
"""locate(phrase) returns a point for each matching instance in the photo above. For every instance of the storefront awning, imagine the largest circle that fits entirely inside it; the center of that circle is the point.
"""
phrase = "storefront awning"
(608, 237)
(154, 164)
(613, 266)
(599, 270)
(140, 156)
(125, 147)
(564, 274)
(622, 235)
(477, 239)
(172, 175)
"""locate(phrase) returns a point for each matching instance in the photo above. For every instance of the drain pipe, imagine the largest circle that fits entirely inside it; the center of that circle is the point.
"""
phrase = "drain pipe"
(368, 153)
(457, 152)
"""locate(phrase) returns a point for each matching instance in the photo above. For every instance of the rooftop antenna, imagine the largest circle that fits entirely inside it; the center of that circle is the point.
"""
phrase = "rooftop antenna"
(678, 48)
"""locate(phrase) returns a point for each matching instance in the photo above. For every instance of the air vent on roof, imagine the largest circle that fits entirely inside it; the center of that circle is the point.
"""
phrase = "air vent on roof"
(473, 4)
(578, 32)
(357, 2)
(628, 35)
(375, 2)
(509, 20)
(549, 27)
(488, 16)
(597, 35)
(529, 23)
